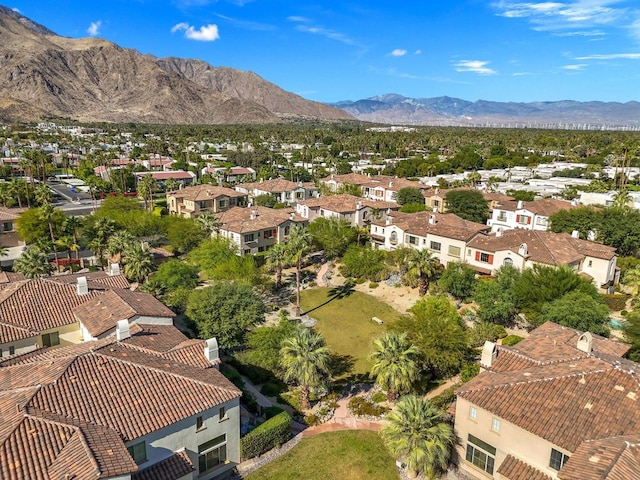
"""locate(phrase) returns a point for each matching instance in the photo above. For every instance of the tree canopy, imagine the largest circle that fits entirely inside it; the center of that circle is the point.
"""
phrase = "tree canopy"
(468, 204)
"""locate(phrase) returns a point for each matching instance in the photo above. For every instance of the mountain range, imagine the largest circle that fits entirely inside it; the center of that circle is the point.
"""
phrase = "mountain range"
(47, 76)
(397, 109)
(93, 80)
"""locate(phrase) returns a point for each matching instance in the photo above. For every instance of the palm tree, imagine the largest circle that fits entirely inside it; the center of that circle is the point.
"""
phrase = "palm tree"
(209, 223)
(632, 279)
(278, 259)
(43, 194)
(297, 245)
(395, 365)
(418, 434)
(621, 199)
(15, 190)
(47, 213)
(425, 266)
(137, 262)
(146, 188)
(305, 360)
(33, 263)
(71, 226)
(118, 243)
(101, 230)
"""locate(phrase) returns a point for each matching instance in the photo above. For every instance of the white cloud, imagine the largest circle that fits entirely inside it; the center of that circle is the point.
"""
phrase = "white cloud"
(611, 56)
(575, 67)
(296, 18)
(474, 66)
(325, 32)
(94, 28)
(206, 33)
(417, 52)
(398, 52)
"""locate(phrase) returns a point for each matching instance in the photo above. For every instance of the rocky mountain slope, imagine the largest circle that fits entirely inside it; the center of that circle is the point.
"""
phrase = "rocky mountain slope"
(396, 109)
(93, 80)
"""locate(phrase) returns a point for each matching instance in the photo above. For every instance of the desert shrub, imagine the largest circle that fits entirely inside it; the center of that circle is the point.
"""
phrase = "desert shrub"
(379, 397)
(446, 398)
(363, 408)
(272, 433)
(511, 340)
(373, 285)
(616, 301)
(312, 420)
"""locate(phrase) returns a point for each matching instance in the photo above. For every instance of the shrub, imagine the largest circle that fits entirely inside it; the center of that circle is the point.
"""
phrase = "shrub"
(272, 433)
(312, 420)
(254, 373)
(379, 397)
(511, 340)
(616, 301)
(272, 411)
(363, 408)
(360, 280)
(624, 313)
(271, 389)
(373, 285)
(446, 398)
(469, 371)
(292, 399)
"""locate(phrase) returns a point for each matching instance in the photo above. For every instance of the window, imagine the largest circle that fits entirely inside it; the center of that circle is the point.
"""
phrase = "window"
(523, 219)
(0, 353)
(591, 263)
(260, 249)
(212, 453)
(287, 229)
(435, 246)
(199, 423)
(247, 251)
(413, 240)
(435, 203)
(542, 221)
(222, 203)
(50, 339)
(480, 454)
(138, 452)
(484, 257)
(222, 414)
(202, 205)
(454, 251)
(507, 261)
(473, 412)
(269, 233)
(12, 350)
(502, 216)
(393, 237)
(495, 425)
(249, 237)
(558, 459)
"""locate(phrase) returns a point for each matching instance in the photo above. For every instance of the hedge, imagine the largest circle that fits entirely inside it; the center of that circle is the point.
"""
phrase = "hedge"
(616, 301)
(511, 340)
(272, 433)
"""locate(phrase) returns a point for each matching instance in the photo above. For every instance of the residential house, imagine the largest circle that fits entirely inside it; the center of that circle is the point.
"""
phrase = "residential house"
(444, 234)
(559, 405)
(527, 215)
(524, 248)
(376, 187)
(355, 210)
(184, 178)
(284, 191)
(145, 404)
(39, 313)
(190, 202)
(231, 175)
(256, 229)
(435, 198)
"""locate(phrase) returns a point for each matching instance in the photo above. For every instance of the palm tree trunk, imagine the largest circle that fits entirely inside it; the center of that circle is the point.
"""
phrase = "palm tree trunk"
(298, 268)
(304, 397)
(422, 285)
(278, 277)
(55, 249)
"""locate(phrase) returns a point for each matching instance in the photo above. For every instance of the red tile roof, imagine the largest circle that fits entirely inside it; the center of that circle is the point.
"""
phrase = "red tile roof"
(239, 219)
(205, 192)
(616, 458)
(447, 225)
(173, 468)
(513, 469)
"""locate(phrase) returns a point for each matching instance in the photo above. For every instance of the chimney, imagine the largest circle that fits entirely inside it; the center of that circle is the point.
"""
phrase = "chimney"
(489, 354)
(523, 250)
(122, 330)
(434, 209)
(388, 221)
(498, 233)
(253, 214)
(575, 234)
(585, 342)
(292, 216)
(82, 287)
(211, 351)
(592, 235)
(520, 204)
(432, 220)
(358, 205)
(114, 269)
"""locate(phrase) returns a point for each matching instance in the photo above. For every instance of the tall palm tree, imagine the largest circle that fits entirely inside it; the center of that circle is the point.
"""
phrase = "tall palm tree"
(15, 190)
(71, 226)
(621, 199)
(278, 259)
(137, 262)
(425, 266)
(43, 194)
(418, 434)
(118, 243)
(209, 223)
(297, 245)
(395, 365)
(99, 233)
(33, 263)
(146, 188)
(47, 213)
(305, 360)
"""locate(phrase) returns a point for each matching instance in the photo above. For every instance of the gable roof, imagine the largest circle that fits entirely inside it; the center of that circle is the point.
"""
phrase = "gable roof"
(252, 219)
(72, 409)
(199, 193)
(616, 458)
(275, 185)
(345, 203)
(101, 313)
(514, 469)
(447, 225)
(544, 207)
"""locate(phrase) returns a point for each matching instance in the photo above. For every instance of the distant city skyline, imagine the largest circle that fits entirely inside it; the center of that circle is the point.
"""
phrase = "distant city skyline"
(584, 50)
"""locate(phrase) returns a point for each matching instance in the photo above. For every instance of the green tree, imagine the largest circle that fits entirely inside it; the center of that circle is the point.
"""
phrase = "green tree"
(32, 263)
(424, 266)
(364, 262)
(31, 225)
(146, 188)
(49, 214)
(631, 331)
(395, 365)
(408, 195)
(580, 311)
(439, 333)
(226, 311)
(297, 246)
(71, 226)
(333, 235)
(264, 345)
(98, 234)
(458, 279)
(137, 261)
(468, 204)
(118, 243)
(418, 434)
(496, 304)
(277, 260)
(209, 223)
(184, 234)
(305, 361)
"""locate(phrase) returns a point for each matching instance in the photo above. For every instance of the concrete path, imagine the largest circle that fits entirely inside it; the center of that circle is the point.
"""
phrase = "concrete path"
(449, 383)
(320, 280)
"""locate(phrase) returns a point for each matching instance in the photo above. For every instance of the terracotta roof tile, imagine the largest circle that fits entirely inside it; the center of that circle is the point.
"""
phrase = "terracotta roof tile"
(12, 333)
(239, 219)
(616, 458)
(345, 203)
(274, 185)
(99, 280)
(173, 468)
(447, 225)
(206, 192)
(513, 469)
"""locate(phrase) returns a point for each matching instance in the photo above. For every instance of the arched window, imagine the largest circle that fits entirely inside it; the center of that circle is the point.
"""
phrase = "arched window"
(394, 237)
(507, 261)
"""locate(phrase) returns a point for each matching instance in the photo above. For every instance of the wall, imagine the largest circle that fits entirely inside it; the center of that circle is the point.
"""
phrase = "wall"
(21, 346)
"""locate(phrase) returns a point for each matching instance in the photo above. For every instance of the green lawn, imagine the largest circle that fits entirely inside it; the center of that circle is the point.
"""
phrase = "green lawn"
(346, 324)
(346, 455)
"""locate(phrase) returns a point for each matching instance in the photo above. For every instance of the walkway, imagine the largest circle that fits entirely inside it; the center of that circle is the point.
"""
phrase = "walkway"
(321, 279)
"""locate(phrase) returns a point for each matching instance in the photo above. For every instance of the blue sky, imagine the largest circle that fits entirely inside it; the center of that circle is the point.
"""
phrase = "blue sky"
(328, 51)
